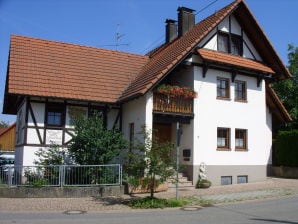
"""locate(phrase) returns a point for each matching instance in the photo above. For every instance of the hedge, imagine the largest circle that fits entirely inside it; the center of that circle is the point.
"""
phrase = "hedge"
(287, 148)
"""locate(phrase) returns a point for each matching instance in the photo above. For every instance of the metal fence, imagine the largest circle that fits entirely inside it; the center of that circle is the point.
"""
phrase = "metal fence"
(62, 175)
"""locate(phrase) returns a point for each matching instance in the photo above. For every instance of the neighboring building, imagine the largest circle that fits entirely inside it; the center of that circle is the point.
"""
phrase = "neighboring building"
(226, 59)
(7, 139)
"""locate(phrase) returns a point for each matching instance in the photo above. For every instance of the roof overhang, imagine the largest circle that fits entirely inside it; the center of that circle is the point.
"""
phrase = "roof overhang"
(276, 106)
(237, 63)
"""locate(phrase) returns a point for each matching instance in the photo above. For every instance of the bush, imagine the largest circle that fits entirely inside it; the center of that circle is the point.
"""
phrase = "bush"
(149, 202)
(287, 148)
(203, 183)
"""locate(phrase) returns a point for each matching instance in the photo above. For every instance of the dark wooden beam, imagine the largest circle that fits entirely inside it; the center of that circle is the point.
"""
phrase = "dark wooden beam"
(259, 80)
(205, 69)
(234, 74)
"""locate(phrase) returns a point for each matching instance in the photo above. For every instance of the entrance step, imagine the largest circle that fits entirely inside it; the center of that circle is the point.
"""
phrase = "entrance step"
(183, 182)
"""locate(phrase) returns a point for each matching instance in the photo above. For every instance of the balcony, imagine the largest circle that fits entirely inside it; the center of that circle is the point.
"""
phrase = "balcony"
(166, 104)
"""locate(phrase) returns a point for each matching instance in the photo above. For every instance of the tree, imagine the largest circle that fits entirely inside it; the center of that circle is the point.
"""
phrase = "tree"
(287, 89)
(93, 143)
(151, 160)
(3, 124)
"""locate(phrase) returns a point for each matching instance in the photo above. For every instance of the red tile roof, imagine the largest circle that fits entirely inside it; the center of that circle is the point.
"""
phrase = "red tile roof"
(54, 69)
(229, 59)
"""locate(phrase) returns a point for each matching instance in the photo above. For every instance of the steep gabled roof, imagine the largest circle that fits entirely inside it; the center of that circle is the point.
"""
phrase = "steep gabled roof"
(54, 69)
(167, 57)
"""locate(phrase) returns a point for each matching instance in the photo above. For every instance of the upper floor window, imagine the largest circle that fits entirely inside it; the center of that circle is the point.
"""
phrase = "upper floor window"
(229, 43)
(223, 138)
(55, 115)
(223, 88)
(240, 139)
(236, 45)
(223, 42)
(240, 91)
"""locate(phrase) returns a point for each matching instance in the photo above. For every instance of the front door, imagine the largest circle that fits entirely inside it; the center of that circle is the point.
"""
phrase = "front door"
(163, 132)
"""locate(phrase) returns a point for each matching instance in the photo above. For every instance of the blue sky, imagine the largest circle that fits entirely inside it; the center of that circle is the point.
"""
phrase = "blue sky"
(141, 22)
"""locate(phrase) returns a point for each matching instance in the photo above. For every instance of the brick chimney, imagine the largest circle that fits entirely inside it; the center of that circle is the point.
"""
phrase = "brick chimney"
(171, 30)
(186, 20)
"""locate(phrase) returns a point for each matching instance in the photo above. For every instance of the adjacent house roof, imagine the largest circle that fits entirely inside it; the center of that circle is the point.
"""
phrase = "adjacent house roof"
(6, 129)
(7, 138)
(53, 69)
(233, 60)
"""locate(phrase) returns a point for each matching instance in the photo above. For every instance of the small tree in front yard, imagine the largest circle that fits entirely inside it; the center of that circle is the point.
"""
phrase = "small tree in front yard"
(151, 160)
(93, 143)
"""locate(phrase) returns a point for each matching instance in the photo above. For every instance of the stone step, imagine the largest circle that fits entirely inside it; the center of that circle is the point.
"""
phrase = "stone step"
(184, 184)
(182, 180)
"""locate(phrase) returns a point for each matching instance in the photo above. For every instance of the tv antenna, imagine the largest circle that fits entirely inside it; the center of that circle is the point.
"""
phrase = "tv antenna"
(118, 37)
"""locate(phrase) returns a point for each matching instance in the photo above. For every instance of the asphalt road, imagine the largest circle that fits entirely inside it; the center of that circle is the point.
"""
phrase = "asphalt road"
(284, 210)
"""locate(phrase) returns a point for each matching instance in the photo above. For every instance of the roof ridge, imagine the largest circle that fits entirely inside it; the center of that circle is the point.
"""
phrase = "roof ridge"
(75, 45)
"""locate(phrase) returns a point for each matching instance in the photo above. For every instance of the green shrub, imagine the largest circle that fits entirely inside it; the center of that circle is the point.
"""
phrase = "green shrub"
(286, 147)
(203, 183)
(149, 202)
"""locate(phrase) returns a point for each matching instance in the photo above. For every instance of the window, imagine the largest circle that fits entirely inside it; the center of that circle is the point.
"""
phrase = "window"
(223, 138)
(240, 91)
(55, 115)
(241, 139)
(236, 45)
(226, 180)
(223, 88)
(230, 43)
(242, 179)
(223, 42)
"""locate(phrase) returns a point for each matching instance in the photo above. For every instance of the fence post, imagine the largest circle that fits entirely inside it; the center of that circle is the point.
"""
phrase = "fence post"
(9, 176)
(120, 174)
(62, 175)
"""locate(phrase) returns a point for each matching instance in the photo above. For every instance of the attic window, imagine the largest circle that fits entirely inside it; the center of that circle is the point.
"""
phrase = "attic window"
(229, 43)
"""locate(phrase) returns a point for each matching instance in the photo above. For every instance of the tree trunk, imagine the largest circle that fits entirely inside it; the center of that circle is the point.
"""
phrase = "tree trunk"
(152, 181)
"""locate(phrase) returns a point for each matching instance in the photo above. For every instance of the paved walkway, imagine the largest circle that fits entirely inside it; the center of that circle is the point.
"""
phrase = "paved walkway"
(273, 187)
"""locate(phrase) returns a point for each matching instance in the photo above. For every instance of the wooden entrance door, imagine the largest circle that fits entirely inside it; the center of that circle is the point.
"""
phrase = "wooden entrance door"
(163, 132)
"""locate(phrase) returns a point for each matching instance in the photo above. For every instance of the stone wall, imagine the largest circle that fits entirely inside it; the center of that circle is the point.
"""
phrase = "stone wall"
(61, 192)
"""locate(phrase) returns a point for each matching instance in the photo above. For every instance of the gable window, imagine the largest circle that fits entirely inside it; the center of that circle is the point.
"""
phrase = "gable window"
(240, 91)
(223, 138)
(55, 115)
(229, 43)
(223, 42)
(223, 88)
(236, 45)
(240, 139)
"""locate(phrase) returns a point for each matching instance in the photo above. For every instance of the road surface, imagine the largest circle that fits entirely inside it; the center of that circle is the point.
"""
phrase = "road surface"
(283, 210)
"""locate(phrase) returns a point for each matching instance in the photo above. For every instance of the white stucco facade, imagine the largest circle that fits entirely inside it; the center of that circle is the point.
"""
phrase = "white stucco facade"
(211, 113)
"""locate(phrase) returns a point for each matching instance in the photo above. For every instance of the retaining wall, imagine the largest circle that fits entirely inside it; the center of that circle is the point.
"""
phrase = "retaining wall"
(61, 192)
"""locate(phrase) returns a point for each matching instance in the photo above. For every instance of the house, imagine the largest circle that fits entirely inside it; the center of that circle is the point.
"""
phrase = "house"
(7, 139)
(226, 59)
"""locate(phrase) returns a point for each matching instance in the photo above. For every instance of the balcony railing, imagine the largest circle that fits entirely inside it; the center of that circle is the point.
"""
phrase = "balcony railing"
(164, 103)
